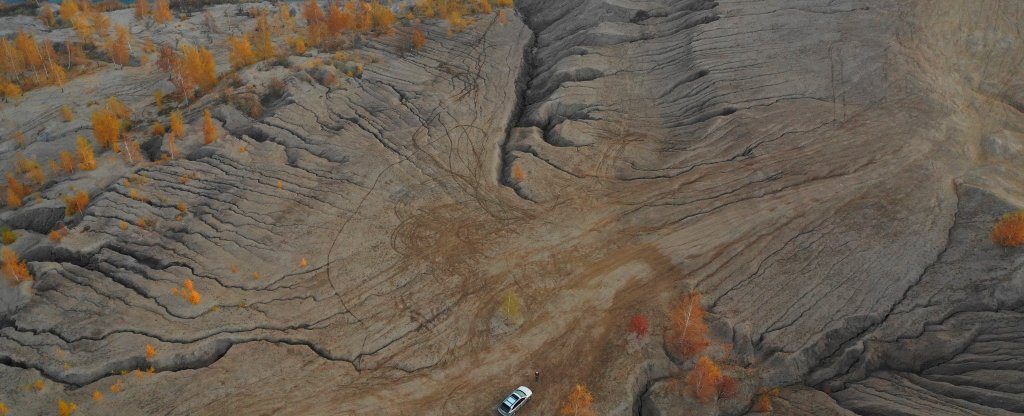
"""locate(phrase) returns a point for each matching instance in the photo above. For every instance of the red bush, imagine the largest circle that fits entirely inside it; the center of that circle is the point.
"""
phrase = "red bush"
(640, 325)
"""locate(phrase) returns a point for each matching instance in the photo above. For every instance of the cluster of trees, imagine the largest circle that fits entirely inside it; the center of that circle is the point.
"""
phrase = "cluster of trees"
(14, 270)
(1009, 231)
(192, 71)
(189, 293)
(27, 63)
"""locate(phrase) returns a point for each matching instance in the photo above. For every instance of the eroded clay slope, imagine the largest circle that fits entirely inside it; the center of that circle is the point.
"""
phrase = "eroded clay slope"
(825, 172)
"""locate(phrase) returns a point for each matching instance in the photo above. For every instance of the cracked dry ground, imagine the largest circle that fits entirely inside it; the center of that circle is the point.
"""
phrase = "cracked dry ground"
(826, 172)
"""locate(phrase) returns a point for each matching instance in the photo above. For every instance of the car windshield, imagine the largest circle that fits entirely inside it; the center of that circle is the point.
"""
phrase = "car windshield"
(504, 407)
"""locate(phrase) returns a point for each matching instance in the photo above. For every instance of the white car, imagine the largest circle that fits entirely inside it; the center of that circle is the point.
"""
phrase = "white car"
(515, 401)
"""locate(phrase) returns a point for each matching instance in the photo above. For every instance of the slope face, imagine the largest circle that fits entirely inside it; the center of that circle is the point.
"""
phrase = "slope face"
(825, 172)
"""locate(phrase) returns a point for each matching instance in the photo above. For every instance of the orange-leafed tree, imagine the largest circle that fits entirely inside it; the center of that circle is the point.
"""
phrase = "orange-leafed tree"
(640, 326)
(338, 19)
(162, 11)
(689, 335)
(209, 129)
(86, 156)
(578, 402)
(107, 129)
(763, 401)
(177, 124)
(46, 16)
(485, 7)
(285, 20)
(16, 271)
(29, 50)
(141, 8)
(119, 108)
(118, 47)
(419, 39)
(702, 383)
(67, 162)
(150, 351)
(315, 22)
(382, 17)
(66, 113)
(262, 38)
(84, 28)
(1009, 231)
(69, 10)
(241, 52)
(9, 90)
(199, 66)
(75, 204)
(15, 191)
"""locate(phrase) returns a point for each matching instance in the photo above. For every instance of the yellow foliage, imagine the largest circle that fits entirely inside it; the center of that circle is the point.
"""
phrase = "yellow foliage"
(39, 385)
(150, 351)
(86, 156)
(76, 203)
(56, 236)
(117, 387)
(162, 12)
(66, 408)
(66, 112)
(304, 263)
(579, 402)
(262, 38)
(241, 52)
(285, 18)
(418, 38)
(189, 293)
(3, 409)
(209, 129)
(199, 67)
(97, 396)
(142, 8)
(47, 17)
(15, 192)
(177, 124)
(123, 225)
(117, 47)
(9, 89)
(158, 97)
(69, 10)
(8, 236)
(504, 3)
(67, 162)
(107, 129)
(298, 45)
(510, 306)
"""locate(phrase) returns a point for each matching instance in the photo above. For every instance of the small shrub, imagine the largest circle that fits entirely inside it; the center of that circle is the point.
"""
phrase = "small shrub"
(150, 351)
(727, 387)
(210, 133)
(1009, 231)
(67, 162)
(117, 387)
(578, 402)
(66, 408)
(76, 203)
(9, 237)
(640, 325)
(66, 113)
(97, 396)
(763, 402)
(702, 383)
